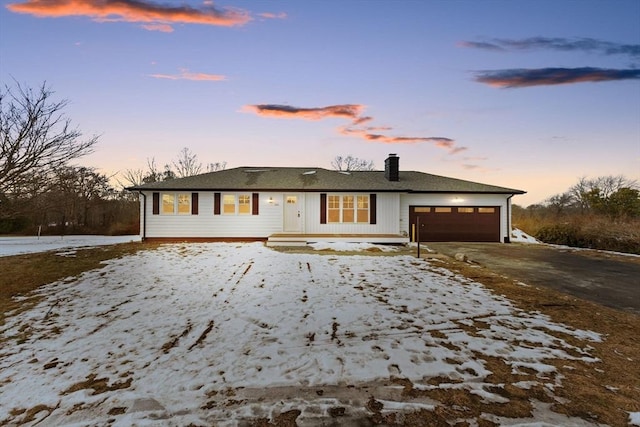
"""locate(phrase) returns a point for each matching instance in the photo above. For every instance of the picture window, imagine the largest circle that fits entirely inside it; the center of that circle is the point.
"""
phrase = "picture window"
(348, 209)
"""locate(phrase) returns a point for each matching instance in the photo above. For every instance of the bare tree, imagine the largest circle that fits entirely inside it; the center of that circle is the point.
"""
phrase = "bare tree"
(132, 178)
(560, 202)
(350, 163)
(35, 137)
(135, 177)
(187, 164)
(217, 166)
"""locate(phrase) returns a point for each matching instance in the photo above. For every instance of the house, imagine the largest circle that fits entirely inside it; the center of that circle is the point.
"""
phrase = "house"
(293, 205)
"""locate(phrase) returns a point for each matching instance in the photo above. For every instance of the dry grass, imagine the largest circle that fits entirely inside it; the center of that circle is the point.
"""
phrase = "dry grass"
(603, 392)
(582, 230)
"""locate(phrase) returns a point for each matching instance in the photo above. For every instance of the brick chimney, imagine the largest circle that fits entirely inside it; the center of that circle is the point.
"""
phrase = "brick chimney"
(391, 168)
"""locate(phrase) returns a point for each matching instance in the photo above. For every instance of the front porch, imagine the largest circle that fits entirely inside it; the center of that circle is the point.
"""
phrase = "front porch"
(286, 239)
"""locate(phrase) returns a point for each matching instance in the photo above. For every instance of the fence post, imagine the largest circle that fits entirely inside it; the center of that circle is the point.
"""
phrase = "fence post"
(418, 233)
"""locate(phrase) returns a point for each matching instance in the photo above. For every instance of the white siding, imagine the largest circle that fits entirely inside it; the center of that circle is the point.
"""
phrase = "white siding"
(501, 200)
(206, 224)
(392, 216)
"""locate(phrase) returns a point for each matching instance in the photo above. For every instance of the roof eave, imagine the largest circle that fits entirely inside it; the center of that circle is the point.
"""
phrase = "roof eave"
(319, 190)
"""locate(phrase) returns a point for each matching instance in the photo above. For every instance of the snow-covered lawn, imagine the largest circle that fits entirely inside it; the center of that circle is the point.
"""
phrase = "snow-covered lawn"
(32, 244)
(186, 333)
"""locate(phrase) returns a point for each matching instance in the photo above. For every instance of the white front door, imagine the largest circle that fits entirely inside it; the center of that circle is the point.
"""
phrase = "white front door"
(292, 213)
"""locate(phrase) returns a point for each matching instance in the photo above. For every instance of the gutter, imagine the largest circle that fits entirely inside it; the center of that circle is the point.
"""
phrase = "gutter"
(507, 239)
(144, 216)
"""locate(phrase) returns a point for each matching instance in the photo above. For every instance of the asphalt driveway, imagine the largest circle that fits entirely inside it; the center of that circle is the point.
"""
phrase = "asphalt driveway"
(606, 278)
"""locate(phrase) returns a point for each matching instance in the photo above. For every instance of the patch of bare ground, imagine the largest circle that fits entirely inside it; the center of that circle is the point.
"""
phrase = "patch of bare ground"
(29, 415)
(98, 385)
(372, 251)
(601, 392)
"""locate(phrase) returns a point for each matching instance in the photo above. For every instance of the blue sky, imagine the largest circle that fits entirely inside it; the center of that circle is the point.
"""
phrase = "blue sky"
(525, 94)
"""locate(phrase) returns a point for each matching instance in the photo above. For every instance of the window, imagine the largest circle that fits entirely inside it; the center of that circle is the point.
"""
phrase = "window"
(229, 204)
(334, 208)
(422, 209)
(465, 210)
(176, 203)
(184, 204)
(244, 204)
(168, 204)
(240, 204)
(486, 210)
(442, 210)
(363, 209)
(348, 209)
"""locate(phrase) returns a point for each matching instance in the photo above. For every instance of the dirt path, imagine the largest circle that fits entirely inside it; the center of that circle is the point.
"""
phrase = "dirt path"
(602, 277)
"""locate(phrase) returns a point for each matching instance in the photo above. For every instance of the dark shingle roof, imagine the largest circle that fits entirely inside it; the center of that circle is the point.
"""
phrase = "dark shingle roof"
(319, 179)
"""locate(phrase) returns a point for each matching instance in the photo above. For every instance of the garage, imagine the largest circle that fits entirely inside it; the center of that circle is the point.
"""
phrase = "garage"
(455, 223)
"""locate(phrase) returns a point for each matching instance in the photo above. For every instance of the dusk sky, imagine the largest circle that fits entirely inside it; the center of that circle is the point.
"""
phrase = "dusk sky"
(530, 95)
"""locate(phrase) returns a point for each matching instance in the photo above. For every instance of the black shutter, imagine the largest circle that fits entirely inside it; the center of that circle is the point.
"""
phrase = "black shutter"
(373, 217)
(156, 203)
(255, 204)
(323, 208)
(194, 203)
(216, 203)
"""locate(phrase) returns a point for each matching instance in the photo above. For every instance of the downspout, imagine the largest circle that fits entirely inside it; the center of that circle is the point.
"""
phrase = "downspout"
(144, 216)
(507, 239)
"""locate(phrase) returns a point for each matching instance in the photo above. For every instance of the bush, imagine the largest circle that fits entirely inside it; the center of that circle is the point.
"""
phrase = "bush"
(593, 233)
(559, 234)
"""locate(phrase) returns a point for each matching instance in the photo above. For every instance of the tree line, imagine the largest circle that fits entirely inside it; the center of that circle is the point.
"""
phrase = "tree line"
(598, 213)
(43, 190)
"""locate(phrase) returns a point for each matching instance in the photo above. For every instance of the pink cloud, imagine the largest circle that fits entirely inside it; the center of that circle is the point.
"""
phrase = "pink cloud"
(269, 15)
(353, 112)
(187, 75)
(138, 11)
(350, 111)
(441, 142)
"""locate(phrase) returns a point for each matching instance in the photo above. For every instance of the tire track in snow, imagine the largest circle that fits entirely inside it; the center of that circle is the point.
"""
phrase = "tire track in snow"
(237, 275)
(166, 347)
(202, 336)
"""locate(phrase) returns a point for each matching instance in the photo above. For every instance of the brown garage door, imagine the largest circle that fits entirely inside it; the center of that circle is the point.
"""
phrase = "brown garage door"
(455, 223)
